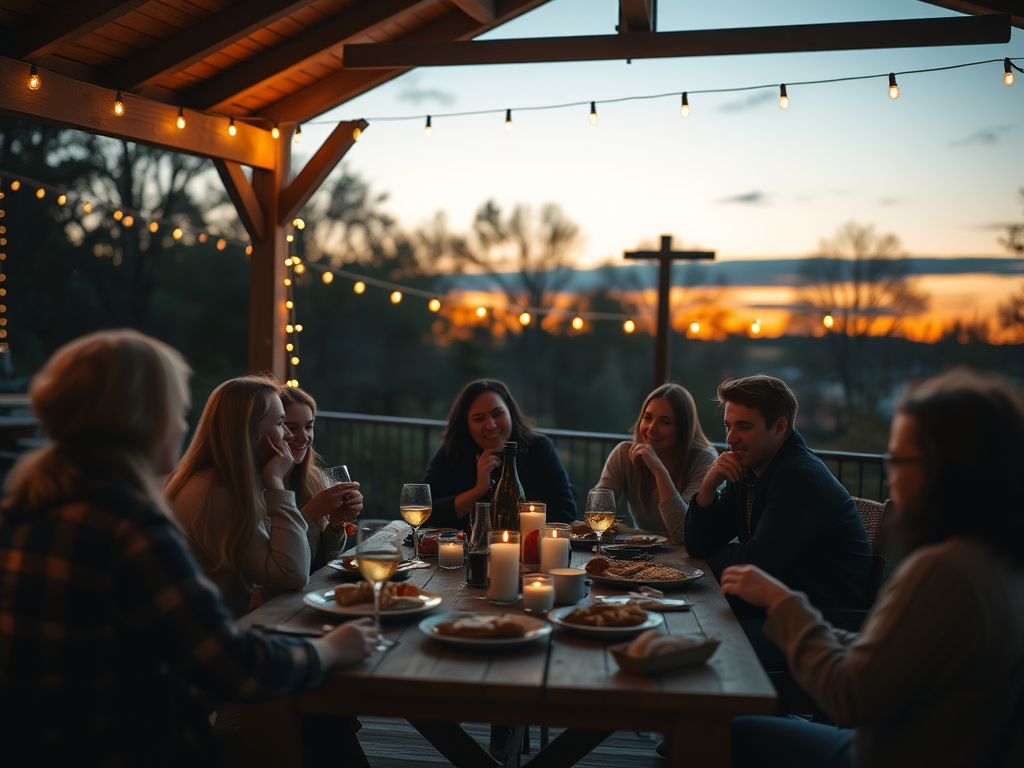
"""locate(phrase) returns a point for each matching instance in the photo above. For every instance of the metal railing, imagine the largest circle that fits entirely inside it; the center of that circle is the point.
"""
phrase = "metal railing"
(383, 452)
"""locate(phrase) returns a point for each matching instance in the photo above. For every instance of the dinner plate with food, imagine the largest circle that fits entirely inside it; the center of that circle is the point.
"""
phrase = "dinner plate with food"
(428, 540)
(484, 630)
(634, 541)
(581, 535)
(605, 620)
(347, 568)
(628, 574)
(357, 600)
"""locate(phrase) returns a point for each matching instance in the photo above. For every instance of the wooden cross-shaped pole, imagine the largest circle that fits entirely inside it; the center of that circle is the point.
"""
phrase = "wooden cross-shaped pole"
(665, 256)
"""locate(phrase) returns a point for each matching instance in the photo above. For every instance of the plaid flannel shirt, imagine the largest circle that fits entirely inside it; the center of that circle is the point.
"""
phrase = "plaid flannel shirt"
(108, 630)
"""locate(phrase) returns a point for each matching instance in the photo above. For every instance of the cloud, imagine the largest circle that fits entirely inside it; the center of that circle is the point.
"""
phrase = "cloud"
(750, 102)
(985, 136)
(749, 198)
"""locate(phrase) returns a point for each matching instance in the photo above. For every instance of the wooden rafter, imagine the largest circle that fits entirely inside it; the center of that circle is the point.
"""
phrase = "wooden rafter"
(906, 33)
(251, 74)
(72, 104)
(62, 24)
(317, 169)
(482, 11)
(198, 41)
(1015, 8)
(637, 16)
(242, 195)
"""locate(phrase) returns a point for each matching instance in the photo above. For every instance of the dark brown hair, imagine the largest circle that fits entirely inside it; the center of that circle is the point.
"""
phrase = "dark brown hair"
(457, 441)
(772, 398)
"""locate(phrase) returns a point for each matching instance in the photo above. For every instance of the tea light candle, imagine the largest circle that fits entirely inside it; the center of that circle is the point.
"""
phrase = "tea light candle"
(450, 550)
(532, 515)
(503, 569)
(554, 549)
(538, 593)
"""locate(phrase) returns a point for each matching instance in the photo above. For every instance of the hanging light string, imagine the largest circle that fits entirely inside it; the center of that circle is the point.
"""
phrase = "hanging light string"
(4, 345)
(592, 103)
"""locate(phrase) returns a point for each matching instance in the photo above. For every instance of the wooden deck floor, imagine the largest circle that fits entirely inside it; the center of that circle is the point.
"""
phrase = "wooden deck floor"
(392, 743)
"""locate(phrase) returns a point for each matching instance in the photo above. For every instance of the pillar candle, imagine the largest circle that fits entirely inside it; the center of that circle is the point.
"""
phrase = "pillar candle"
(503, 568)
(532, 516)
(554, 549)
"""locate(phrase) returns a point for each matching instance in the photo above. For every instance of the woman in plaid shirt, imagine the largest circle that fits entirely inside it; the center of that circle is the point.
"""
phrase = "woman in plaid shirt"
(108, 629)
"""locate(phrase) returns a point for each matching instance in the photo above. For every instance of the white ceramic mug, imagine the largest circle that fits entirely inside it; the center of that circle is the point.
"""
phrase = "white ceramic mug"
(569, 585)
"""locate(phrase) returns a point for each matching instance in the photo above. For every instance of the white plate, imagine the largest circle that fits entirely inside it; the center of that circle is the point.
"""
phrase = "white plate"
(558, 615)
(354, 575)
(692, 574)
(324, 601)
(622, 540)
(427, 628)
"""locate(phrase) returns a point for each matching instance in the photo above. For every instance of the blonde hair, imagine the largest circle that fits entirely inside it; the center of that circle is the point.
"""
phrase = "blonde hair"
(225, 442)
(306, 479)
(689, 436)
(106, 400)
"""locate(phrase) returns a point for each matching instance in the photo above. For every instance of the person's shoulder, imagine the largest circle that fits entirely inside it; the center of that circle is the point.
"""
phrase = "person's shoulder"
(705, 454)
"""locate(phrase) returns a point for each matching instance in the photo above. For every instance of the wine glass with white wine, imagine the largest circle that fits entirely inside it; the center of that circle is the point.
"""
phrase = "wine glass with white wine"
(416, 507)
(599, 513)
(378, 553)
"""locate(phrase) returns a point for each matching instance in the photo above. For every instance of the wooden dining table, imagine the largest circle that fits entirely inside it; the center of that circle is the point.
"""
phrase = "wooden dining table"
(565, 680)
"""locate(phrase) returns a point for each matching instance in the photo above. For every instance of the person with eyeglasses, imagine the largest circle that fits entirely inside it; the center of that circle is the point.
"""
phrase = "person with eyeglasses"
(936, 676)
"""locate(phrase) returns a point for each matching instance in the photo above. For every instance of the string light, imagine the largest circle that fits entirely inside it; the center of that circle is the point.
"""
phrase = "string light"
(629, 326)
(396, 296)
(481, 312)
(299, 269)
(231, 127)
(128, 220)
(894, 90)
(577, 323)
(33, 79)
(828, 320)
(40, 193)
(61, 199)
(287, 281)
(694, 327)
(755, 327)
(525, 318)
(118, 215)
(289, 347)
(15, 185)
(289, 238)
(1008, 78)
(428, 130)
(684, 109)
(434, 305)
(328, 277)
(177, 233)
(593, 113)
(298, 328)
(181, 120)
(295, 361)
(298, 135)
(783, 98)
(275, 132)
(119, 109)
(289, 304)
(298, 223)
(87, 208)
(357, 133)
(153, 227)
(359, 286)
(508, 120)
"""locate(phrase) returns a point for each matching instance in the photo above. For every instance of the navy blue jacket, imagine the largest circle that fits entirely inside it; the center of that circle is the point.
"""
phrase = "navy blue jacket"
(804, 530)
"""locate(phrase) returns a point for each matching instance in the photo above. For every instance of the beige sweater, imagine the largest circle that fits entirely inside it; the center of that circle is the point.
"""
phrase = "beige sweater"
(929, 679)
(651, 514)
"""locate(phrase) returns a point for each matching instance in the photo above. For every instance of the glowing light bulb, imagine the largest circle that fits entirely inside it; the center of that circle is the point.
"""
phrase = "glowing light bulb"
(327, 277)
(15, 185)
(296, 260)
(300, 268)
(128, 220)
(177, 233)
(231, 127)
(428, 130)
(275, 132)
(295, 361)
(508, 120)
(288, 262)
(289, 304)
(202, 237)
(118, 105)
(629, 326)
(434, 305)
(181, 119)
(298, 327)
(33, 79)
(153, 226)
(359, 286)
(298, 135)
(298, 223)
(290, 238)
(694, 327)
(1008, 78)
(117, 215)
(289, 328)
(828, 321)
(287, 281)
(684, 110)
(357, 133)
(289, 347)
(481, 312)
(87, 208)
(894, 90)
(577, 323)
(593, 114)
(222, 244)
(396, 297)
(61, 199)
(248, 250)
(40, 193)
(525, 318)
(783, 98)
(755, 327)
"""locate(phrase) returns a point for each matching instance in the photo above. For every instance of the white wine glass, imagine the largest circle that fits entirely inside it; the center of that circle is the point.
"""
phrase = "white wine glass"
(336, 476)
(378, 553)
(599, 513)
(416, 507)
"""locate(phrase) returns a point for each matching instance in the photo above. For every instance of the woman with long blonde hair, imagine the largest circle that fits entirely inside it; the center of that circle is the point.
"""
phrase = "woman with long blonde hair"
(661, 469)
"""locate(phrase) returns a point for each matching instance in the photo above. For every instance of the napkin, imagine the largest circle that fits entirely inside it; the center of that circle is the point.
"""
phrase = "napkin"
(653, 643)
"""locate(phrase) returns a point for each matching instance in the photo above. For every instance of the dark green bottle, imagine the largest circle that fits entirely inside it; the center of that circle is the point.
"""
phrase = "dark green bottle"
(508, 494)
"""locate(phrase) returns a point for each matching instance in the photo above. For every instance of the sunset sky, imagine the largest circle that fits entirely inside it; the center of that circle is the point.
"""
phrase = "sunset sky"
(939, 167)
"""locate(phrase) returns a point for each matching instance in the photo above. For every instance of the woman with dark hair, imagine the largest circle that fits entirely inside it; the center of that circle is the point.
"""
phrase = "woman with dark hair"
(936, 677)
(664, 465)
(483, 418)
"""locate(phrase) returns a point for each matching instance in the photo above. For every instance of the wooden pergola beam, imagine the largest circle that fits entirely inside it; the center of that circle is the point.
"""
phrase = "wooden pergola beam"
(243, 196)
(62, 24)
(1014, 8)
(905, 33)
(317, 169)
(195, 43)
(72, 104)
(482, 11)
(249, 75)
(637, 16)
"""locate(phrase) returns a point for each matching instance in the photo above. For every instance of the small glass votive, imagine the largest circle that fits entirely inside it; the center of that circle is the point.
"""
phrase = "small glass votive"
(503, 568)
(554, 547)
(538, 593)
(451, 549)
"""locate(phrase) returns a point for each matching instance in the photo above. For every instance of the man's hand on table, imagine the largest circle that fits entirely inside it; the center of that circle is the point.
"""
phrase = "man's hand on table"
(347, 644)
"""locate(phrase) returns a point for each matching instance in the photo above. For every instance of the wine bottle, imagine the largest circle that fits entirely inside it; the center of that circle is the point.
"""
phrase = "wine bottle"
(508, 494)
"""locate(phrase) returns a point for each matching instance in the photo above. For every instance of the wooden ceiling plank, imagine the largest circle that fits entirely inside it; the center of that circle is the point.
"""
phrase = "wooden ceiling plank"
(243, 196)
(347, 84)
(69, 103)
(317, 169)
(251, 74)
(63, 23)
(1015, 8)
(479, 10)
(636, 16)
(199, 41)
(903, 33)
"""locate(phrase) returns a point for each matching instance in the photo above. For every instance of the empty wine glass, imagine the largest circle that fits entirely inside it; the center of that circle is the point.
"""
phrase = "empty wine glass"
(599, 513)
(416, 507)
(336, 475)
(378, 552)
